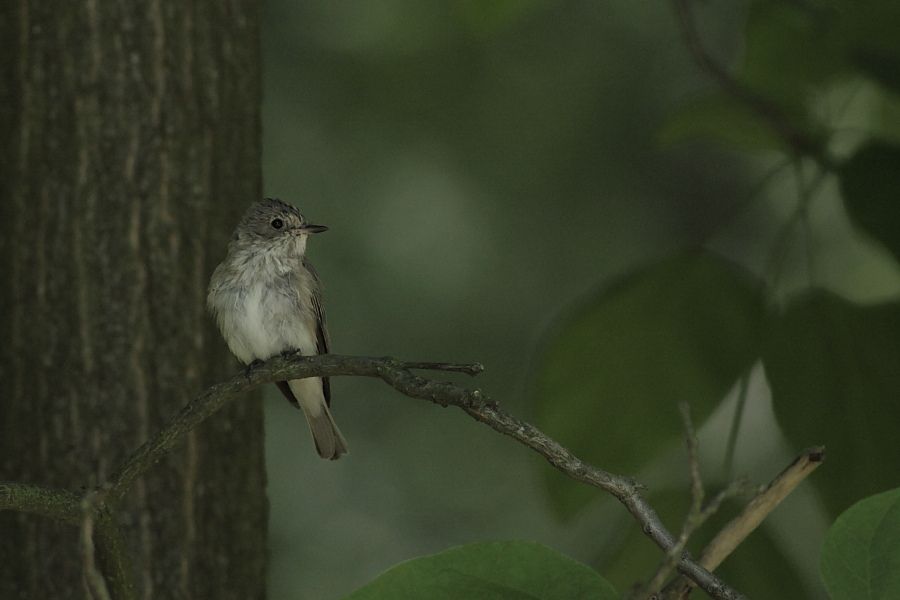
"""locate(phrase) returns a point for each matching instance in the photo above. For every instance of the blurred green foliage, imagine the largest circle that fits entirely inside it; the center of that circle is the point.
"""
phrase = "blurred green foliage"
(680, 331)
(487, 166)
(832, 365)
(718, 116)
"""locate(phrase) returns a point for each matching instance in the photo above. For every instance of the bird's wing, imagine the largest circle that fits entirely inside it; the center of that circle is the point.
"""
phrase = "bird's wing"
(323, 342)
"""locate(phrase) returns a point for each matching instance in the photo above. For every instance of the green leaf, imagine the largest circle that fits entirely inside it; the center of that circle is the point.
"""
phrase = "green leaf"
(722, 118)
(834, 370)
(495, 570)
(861, 554)
(870, 184)
(610, 380)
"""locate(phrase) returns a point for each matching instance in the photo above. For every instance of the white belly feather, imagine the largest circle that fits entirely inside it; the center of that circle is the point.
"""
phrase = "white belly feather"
(263, 318)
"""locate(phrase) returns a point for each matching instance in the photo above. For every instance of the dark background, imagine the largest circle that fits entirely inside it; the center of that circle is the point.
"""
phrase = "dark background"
(483, 167)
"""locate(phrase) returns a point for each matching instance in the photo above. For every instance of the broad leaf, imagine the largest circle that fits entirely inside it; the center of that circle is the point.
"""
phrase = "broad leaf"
(870, 184)
(834, 369)
(861, 555)
(610, 381)
(495, 570)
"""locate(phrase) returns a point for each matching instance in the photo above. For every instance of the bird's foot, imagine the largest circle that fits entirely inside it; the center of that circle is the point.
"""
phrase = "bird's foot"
(249, 369)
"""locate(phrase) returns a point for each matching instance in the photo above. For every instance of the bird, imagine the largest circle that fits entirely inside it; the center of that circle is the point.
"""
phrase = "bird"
(266, 298)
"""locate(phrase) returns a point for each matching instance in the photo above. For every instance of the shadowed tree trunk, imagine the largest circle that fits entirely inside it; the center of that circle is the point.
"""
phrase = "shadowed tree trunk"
(131, 146)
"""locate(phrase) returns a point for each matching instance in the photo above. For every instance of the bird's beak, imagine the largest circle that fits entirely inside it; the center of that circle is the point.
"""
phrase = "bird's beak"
(312, 228)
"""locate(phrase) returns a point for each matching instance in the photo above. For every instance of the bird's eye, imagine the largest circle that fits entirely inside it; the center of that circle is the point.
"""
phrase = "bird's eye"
(277, 223)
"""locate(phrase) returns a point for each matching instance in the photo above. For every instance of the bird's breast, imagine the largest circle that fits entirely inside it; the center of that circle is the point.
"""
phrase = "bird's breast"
(265, 316)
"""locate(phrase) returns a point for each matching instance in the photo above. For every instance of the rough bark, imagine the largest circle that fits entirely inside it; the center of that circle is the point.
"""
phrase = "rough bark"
(131, 144)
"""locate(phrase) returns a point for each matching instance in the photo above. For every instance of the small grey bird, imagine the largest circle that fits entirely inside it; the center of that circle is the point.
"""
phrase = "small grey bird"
(267, 300)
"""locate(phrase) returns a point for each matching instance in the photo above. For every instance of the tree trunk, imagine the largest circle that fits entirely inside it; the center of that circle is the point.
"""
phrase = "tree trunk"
(133, 146)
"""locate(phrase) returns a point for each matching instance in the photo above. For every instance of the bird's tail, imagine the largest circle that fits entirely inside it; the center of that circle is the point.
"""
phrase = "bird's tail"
(330, 444)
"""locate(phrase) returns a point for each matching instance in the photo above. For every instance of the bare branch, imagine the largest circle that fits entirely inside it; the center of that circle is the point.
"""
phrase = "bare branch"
(57, 504)
(398, 375)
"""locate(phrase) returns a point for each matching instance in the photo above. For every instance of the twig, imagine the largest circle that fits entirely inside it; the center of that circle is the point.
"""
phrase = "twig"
(697, 492)
(280, 369)
(736, 531)
(797, 140)
(697, 513)
(61, 505)
(468, 368)
(691, 521)
(737, 487)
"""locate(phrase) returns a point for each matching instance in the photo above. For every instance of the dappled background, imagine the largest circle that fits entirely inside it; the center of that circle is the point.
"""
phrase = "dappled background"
(485, 168)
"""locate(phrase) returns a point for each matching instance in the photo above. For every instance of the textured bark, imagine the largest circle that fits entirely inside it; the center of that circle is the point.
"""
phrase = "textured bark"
(131, 145)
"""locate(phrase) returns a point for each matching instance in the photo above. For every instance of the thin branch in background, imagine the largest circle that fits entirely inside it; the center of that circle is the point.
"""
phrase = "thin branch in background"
(806, 192)
(778, 254)
(697, 493)
(96, 583)
(755, 192)
(736, 421)
(737, 530)
(800, 143)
